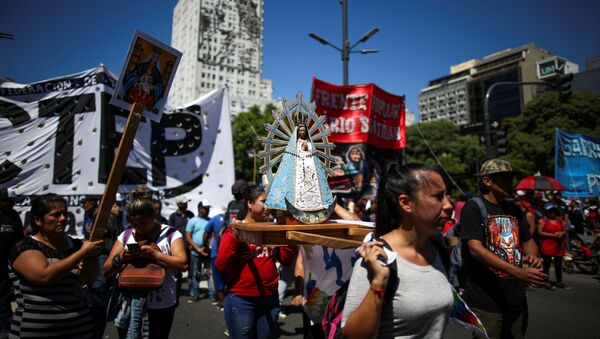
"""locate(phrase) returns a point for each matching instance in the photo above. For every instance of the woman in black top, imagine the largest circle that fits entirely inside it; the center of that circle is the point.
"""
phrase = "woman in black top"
(44, 269)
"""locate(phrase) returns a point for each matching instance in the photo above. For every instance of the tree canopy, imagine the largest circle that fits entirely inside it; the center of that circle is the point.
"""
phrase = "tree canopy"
(458, 154)
(248, 128)
(531, 134)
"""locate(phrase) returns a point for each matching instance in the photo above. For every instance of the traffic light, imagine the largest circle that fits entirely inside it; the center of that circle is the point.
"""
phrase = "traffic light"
(563, 85)
(500, 142)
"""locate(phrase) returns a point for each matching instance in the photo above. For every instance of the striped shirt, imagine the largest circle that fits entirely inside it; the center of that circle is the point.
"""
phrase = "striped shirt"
(57, 310)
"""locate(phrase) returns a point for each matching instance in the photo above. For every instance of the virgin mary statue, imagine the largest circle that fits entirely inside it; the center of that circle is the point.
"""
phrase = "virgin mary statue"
(300, 185)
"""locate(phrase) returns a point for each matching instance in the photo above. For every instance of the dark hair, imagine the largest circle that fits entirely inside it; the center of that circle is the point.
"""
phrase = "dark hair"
(141, 203)
(397, 180)
(91, 199)
(237, 187)
(250, 192)
(42, 205)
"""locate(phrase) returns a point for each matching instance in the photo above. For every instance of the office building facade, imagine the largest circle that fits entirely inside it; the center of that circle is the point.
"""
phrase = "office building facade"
(221, 41)
(460, 96)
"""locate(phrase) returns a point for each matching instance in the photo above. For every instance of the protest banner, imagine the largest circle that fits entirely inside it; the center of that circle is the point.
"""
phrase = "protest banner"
(368, 128)
(60, 136)
(577, 164)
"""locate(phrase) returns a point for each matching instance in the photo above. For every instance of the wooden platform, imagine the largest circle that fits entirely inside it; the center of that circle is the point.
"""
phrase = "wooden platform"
(336, 235)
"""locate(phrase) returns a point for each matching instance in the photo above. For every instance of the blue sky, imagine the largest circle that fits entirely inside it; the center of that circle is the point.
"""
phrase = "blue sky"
(419, 40)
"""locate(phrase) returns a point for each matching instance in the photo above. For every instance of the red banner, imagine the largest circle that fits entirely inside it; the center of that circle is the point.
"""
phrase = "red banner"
(361, 113)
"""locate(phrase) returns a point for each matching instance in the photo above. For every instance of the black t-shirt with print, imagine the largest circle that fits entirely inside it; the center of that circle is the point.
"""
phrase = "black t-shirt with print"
(486, 289)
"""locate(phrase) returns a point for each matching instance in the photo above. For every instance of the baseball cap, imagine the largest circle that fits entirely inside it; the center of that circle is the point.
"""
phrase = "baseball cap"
(182, 199)
(549, 206)
(493, 166)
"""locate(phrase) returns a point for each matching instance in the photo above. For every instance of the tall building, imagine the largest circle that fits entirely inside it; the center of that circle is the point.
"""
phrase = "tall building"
(448, 97)
(221, 41)
(460, 96)
(588, 81)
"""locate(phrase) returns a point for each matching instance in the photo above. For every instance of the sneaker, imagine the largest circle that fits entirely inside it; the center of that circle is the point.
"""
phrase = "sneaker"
(220, 307)
(549, 286)
(282, 316)
(226, 333)
(192, 300)
(214, 302)
(563, 286)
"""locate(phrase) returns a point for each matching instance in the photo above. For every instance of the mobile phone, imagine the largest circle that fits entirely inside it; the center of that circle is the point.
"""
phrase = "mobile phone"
(134, 248)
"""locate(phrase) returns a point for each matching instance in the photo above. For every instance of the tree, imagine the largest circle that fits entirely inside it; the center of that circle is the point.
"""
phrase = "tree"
(531, 134)
(248, 128)
(458, 154)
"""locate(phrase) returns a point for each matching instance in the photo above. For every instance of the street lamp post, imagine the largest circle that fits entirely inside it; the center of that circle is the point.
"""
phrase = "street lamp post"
(346, 48)
(252, 154)
(486, 113)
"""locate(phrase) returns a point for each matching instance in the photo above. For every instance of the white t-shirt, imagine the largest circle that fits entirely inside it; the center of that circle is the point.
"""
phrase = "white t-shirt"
(166, 295)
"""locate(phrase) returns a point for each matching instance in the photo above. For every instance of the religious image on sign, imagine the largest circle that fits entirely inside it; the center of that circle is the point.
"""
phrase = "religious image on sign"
(297, 157)
(146, 75)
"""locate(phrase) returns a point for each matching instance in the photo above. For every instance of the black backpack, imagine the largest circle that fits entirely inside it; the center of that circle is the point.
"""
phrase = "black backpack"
(458, 253)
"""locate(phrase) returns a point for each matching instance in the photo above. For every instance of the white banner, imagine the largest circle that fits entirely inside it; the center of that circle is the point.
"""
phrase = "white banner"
(60, 136)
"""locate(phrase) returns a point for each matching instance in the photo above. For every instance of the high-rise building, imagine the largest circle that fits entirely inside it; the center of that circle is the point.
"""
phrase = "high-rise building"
(588, 81)
(221, 41)
(460, 96)
(448, 97)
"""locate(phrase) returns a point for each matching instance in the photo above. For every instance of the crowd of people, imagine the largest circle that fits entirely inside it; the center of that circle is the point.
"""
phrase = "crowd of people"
(399, 283)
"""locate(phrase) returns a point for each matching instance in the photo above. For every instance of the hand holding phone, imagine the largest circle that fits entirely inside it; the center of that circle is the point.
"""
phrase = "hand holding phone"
(134, 248)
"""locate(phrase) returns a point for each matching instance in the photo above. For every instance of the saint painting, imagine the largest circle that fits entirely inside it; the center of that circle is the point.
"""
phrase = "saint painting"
(146, 76)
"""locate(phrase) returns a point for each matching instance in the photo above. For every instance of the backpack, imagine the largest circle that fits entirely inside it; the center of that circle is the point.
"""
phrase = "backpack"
(332, 318)
(234, 208)
(458, 253)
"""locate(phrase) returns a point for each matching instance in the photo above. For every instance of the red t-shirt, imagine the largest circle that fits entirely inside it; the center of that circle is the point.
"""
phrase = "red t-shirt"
(552, 246)
(252, 277)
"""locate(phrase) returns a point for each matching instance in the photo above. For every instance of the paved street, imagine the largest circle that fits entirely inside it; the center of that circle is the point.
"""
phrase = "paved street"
(570, 313)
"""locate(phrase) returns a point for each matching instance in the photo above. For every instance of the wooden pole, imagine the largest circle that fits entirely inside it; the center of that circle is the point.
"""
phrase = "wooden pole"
(89, 270)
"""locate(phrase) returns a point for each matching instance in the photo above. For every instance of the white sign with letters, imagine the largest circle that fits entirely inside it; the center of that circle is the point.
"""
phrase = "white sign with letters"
(60, 136)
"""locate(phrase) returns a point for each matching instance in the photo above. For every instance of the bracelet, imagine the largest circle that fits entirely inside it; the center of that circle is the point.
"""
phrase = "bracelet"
(379, 293)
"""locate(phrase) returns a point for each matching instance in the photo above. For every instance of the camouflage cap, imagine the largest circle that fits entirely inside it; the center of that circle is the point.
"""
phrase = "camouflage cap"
(495, 166)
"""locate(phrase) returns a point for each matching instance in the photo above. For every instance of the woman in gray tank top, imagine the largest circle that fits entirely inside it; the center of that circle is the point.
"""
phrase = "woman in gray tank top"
(402, 291)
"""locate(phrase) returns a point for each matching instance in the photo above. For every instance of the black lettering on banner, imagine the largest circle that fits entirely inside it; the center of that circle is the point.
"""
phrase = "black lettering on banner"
(15, 114)
(109, 142)
(161, 148)
(8, 171)
(65, 108)
(61, 84)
